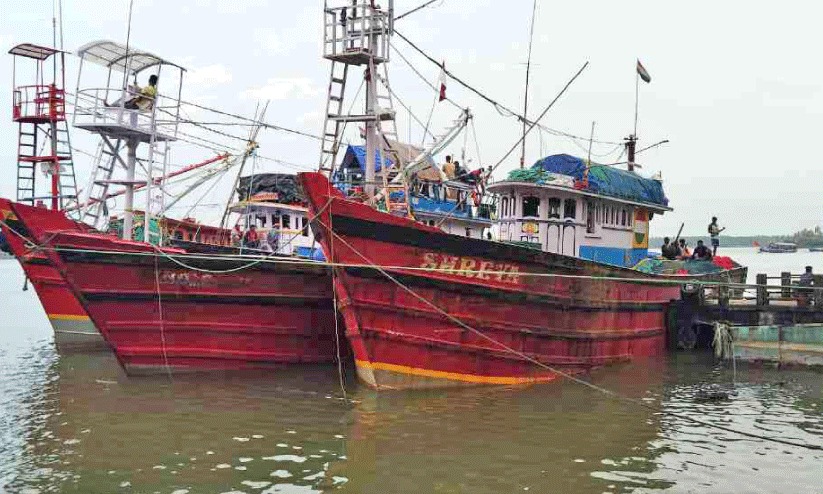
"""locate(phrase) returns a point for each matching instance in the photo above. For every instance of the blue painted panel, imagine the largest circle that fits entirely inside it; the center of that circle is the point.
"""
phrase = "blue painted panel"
(613, 255)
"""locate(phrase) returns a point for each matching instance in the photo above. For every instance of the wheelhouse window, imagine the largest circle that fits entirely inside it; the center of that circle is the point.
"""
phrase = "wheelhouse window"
(304, 230)
(570, 208)
(623, 217)
(531, 206)
(554, 207)
(285, 222)
(468, 232)
(590, 216)
(505, 207)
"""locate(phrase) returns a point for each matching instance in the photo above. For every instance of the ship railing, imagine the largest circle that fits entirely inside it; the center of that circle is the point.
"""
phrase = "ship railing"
(93, 110)
(40, 102)
(762, 293)
(348, 33)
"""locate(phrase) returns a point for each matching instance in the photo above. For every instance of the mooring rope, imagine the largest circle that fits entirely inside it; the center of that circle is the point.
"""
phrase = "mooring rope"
(566, 375)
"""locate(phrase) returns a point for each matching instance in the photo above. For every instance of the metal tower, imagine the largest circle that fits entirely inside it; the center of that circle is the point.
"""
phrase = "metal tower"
(39, 108)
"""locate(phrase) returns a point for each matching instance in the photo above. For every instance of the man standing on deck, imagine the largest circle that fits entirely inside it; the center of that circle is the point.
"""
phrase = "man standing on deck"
(449, 168)
(714, 232)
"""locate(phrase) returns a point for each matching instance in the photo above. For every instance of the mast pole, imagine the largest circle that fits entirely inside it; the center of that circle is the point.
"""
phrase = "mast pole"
(526, 95)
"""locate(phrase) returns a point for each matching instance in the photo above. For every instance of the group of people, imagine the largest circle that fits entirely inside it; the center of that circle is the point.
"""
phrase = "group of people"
(679, 249)
(251, 239)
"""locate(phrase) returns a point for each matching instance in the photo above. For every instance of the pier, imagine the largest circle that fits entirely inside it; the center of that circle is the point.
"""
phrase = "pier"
(773, 320)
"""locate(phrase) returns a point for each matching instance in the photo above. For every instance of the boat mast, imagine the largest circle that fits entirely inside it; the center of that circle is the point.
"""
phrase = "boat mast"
(526, 92)
(356, 34)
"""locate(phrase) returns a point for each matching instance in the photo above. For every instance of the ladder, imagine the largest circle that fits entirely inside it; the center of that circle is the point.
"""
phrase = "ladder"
(95, 211)
(58, 161)
(156, 168)
(26, 148)
(333, 125)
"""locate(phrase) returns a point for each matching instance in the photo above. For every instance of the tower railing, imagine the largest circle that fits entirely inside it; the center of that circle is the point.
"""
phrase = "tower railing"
(348, 33)
(38, 102)
(92, 110)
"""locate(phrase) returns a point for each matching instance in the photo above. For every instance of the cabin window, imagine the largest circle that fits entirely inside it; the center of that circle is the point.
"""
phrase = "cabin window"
(554, 207)
(531, 206)
(570, 208)
(505, 208)
(305, 226)
(285, 222)
(613, 216)
(590, 214)
(623, 217)
(468, 232)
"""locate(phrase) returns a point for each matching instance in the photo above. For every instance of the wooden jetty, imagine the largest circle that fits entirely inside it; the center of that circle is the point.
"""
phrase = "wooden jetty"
(774, 320)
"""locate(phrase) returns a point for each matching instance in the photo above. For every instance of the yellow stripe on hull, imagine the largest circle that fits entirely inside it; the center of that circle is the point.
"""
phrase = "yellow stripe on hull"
(452, 376)
(68, 317)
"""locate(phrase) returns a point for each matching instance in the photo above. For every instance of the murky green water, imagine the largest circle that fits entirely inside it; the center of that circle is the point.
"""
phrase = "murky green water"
(78, 424)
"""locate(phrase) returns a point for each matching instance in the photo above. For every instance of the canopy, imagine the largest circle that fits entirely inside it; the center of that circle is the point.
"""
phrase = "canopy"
(355, 156)
(114, 56)
(36, 52)
(607, 180)
(282, 185)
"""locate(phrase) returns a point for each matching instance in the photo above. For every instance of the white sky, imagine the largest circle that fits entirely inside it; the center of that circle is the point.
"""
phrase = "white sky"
(737, 87)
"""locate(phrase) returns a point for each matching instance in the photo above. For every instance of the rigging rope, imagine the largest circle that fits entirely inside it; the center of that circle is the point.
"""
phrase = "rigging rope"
(503, 110)
(561, 373)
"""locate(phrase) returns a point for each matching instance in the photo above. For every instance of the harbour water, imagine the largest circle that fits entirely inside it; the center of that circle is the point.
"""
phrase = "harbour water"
(78, 424)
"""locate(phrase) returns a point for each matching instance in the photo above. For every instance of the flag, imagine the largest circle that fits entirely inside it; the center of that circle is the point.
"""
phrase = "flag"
(442, 82)
(643, 73)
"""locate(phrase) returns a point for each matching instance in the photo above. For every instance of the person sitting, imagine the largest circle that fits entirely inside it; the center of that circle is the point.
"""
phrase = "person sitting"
(251, 239)
(685, 252)
(273, 238)
(669, 250)
(701, 252)
(143, 99)
(236, 236)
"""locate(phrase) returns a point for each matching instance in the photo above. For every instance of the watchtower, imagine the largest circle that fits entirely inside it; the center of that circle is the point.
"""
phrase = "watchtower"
(140, 122)
(357, 34)
(39, 108)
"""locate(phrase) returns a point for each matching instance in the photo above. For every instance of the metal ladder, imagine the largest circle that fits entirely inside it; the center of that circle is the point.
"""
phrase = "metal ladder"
(332, 127)
(157, 165)
(105, 161)
(26, 147)
(67, 180)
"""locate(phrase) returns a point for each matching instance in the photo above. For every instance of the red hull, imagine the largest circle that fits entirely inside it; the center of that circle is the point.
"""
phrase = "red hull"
(73, 328)
(158, 315)
(400, 341)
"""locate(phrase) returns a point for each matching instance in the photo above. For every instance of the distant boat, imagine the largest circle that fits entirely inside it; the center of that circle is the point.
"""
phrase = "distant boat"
(779, 248)
(815, 249)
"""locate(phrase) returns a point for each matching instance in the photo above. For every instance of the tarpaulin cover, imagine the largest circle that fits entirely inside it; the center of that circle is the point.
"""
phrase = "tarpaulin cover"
(356, 156)
(606, 180)
(283, 184)
(692, 267)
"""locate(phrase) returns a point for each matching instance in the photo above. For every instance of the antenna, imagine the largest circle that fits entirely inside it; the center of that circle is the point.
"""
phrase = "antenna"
(526, 95)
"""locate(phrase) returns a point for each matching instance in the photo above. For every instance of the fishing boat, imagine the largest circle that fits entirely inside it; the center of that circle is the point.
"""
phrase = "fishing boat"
(779, 248)
(209, 305)
(427, 308)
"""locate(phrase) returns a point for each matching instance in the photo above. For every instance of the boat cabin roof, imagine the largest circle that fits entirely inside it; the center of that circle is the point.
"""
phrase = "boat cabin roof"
(36, 52)
(115, 56)
(242, 207)
(500, 188)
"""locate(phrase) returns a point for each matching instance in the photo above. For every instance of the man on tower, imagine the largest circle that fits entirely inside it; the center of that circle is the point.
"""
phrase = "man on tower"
(144, 100)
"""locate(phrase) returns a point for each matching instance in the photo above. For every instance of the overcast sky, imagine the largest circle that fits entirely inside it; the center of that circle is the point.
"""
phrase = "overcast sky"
(737, 87)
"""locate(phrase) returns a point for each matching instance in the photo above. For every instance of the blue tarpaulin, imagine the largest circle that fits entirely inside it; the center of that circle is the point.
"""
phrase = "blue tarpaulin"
(356, 157)
(607, 180)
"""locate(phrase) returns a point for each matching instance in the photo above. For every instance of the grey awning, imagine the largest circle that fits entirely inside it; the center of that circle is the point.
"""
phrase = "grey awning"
(115, 56)
(36, 52)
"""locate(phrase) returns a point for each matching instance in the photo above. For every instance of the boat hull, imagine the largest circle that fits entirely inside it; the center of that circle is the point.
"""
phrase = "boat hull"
(74, 330)
(445, 310)
(172, 311)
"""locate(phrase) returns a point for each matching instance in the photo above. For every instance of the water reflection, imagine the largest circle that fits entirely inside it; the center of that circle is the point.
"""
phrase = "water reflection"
(78, 423)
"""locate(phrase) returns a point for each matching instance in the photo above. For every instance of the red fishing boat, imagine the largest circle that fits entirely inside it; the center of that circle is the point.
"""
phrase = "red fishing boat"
(522, 305)
(167, 309)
